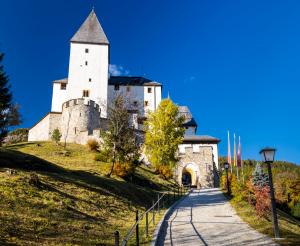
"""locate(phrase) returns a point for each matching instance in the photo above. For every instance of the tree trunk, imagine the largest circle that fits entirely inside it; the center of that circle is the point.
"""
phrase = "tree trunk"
(113, 162)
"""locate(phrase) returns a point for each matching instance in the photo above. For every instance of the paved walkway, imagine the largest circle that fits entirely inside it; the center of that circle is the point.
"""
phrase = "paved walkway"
(207, 218)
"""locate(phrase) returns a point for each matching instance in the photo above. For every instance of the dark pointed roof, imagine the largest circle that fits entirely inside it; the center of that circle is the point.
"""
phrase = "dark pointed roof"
(193, 139)
(90, 31)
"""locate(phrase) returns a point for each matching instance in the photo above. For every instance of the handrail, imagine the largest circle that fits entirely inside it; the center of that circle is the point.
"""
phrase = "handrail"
(125, 240)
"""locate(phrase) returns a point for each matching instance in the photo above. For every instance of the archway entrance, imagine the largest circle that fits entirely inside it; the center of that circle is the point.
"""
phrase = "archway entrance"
(190, 175)
(187, 179)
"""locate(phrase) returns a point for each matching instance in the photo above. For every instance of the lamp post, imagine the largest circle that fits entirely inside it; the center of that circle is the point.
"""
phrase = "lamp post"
(268, 155)
(226, 166)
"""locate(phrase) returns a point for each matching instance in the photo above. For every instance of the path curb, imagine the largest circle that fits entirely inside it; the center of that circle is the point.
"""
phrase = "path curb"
(157, 231)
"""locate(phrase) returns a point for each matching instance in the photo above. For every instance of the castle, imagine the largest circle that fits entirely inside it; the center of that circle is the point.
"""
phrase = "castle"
(79, 105)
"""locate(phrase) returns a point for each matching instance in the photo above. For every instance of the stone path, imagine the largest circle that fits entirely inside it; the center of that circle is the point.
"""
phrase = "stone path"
(207, 218)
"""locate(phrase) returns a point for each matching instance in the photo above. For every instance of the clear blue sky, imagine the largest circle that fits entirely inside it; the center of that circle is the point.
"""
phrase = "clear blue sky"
(236, 64)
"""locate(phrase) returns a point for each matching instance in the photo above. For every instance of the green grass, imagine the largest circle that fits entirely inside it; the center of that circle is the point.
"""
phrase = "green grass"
(289, 227)
(75, 203)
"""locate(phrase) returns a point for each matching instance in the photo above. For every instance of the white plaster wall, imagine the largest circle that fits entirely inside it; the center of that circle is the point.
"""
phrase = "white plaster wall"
(139, 94)
(97, 70)
(40, 132)
(58, 97)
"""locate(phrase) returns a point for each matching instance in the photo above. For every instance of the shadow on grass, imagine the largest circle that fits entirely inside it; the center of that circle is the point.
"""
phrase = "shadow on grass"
(129, 192)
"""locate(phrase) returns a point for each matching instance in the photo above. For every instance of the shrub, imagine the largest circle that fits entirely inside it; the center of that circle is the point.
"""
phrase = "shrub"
(263, 203)
(92, 144)
(56, 135)
(102, 156)
(124, 170)
(165, 172)
(17, 136)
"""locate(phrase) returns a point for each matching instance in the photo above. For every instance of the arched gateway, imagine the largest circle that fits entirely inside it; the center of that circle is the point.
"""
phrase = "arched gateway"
(190, 175)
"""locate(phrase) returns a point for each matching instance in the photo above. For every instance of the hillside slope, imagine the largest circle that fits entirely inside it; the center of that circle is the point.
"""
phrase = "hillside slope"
(73, 202)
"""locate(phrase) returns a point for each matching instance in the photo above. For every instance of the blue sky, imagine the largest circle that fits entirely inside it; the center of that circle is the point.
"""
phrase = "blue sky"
(236, 64)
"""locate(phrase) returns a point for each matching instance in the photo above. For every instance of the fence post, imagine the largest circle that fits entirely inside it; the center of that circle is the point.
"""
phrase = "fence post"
(137, 228)
(117, 238)
(153, 213)
(158, 203)
(178, 191)
(174, 195)
(146, 224)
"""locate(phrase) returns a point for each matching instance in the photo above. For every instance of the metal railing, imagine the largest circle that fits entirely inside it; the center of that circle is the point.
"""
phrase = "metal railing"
(162, 201)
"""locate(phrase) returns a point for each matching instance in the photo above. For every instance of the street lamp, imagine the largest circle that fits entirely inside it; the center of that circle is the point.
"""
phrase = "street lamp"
(268, 155)
(226, 166)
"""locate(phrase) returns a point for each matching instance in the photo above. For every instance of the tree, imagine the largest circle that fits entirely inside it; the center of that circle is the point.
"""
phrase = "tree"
(9, 112)
(259, 178)
(56, 135)
(120, 140)
(164, 132)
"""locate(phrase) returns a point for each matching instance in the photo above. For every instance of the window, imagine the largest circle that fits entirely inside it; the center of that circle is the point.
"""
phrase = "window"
(63, 86)
(135, 103)
(149, 90)
(117, 87)
(146, 103)
(86, 63)
(86, 50)
(75, 130)
(90, 80)
(85, 93)
(128, 88)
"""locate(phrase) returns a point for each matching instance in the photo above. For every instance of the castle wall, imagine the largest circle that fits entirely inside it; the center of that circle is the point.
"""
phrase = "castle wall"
(79, 119)
(42, 131)
(202, 160)
(58, 97)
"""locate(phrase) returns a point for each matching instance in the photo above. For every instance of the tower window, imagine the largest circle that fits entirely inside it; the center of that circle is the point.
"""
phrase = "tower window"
(146, 103)
(149, 90)
(63, 86)
(128, 88)
(85, 93)
(86, 50)
(135, 103)
(86, 63)
(90, 80)
(117, 87)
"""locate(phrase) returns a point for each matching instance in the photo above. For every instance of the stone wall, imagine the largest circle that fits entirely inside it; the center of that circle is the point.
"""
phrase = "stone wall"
(79, 119)
(203, 162)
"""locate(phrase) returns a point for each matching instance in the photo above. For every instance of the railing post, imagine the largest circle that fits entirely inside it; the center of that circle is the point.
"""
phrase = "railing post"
(153, 213)
(117, 238)
(174, 195)
(137, 228)
(178, 191)
(158, 203)
(146, 224)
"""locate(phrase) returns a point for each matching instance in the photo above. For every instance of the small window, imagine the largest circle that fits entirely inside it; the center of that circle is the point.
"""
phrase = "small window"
(75, 130)
(86, 50)
(67, 104)
(128, 88)
(90, 80)
(117, 87)
(86, 63)
(63, 86)
(85, 93)
(146, 103)
(135, 103)
(149, 90)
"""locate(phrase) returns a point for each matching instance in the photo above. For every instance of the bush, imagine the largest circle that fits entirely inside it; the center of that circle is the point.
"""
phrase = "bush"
(92, 144)
(102, 156)
(263, 203)
(17, 136)
(56, 135)
(124, 170)
(165, 172)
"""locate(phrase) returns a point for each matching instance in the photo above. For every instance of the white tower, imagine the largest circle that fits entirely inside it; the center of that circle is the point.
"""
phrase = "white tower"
(88, 66)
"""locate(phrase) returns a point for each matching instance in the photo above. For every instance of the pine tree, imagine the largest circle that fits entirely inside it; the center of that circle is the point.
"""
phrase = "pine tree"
(259, 178)
(56, 135)
(9, 112)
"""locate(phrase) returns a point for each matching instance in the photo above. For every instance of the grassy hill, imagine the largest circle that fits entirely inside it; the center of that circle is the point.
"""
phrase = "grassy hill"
(73, 202)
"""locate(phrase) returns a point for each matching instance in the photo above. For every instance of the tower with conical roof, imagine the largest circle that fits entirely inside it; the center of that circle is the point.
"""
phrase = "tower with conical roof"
(89, 61)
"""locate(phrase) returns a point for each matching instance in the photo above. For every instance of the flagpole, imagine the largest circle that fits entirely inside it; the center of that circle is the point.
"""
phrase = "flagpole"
(235, 161)
(242, 165)
(229, 153)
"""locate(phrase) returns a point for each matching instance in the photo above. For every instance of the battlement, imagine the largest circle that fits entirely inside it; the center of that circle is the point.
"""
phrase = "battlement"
(81, 101)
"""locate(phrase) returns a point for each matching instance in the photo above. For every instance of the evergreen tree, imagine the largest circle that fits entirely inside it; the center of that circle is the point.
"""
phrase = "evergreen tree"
(259, 178)
(164, 132)
(9, 112)
(56, 135)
